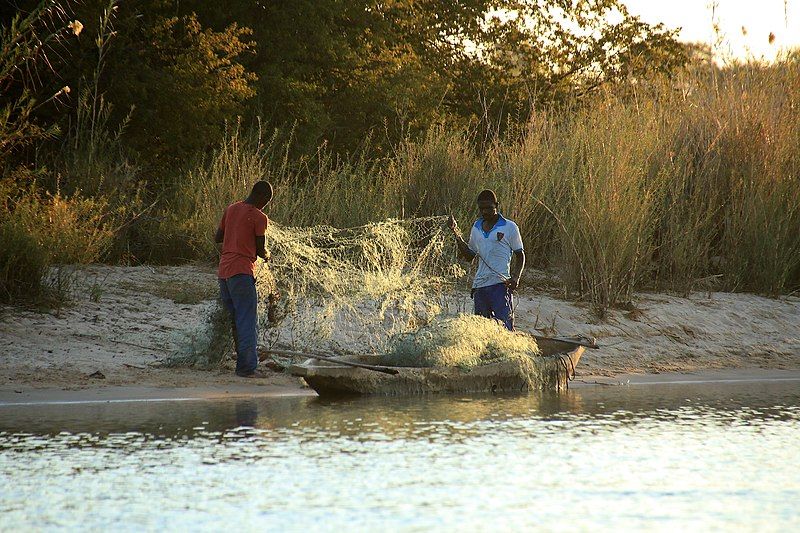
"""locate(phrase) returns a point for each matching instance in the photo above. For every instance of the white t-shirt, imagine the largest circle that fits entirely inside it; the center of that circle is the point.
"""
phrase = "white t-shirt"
(495, 249)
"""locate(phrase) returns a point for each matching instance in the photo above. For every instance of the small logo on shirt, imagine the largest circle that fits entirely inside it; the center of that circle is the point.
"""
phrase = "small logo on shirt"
(500, 235)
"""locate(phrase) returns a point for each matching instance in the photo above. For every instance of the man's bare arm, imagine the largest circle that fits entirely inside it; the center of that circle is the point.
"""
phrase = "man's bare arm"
(220, 236)
(464, 250)
(261, 250)
(517, 265)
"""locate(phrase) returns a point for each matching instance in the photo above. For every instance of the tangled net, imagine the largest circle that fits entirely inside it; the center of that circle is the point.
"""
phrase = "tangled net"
(352, 288)
(464, 341)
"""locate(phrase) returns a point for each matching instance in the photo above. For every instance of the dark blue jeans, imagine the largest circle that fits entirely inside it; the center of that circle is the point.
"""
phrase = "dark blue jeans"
(238, 295)
(495, 301)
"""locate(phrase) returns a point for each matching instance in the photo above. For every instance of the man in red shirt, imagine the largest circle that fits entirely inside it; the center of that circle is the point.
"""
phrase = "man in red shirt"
(241, 232)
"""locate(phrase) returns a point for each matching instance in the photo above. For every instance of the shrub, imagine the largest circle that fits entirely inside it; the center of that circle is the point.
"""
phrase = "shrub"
(70, 229)
(40, 230)
(23, 263)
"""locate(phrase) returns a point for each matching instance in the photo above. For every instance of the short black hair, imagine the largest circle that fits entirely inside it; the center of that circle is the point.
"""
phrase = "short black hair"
(487, 194)
(262, 188)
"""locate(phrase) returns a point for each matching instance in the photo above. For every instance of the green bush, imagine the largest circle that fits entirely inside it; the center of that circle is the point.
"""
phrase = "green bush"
(23, 263)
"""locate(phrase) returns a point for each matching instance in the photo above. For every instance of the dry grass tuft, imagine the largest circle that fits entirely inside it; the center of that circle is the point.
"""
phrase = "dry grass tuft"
(464, 341)
(180, 292)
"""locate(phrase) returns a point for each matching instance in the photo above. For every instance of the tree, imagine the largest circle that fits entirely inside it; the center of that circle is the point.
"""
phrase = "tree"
(334, 70)
(340, 71)
(182, 81)
(177, 81)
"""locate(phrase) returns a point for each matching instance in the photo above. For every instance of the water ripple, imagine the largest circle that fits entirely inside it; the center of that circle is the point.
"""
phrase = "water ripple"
(684, 458)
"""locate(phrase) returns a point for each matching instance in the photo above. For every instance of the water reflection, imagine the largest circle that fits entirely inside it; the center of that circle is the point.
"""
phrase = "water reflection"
(404, 415)
(246, 413)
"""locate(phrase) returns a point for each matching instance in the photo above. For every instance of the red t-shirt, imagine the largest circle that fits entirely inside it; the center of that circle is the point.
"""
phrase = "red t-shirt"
(241, 224)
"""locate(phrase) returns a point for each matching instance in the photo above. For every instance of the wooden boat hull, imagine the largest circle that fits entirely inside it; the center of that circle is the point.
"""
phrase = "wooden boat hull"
(556, 366)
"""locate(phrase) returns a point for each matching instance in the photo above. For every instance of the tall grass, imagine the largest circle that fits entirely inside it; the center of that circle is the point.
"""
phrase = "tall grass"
(674, 184)
(439, 173)
(759, 161)
(195, 203)
(605, 200)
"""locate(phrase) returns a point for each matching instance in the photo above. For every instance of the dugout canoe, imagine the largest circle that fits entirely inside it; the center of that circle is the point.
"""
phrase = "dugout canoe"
(556, 366)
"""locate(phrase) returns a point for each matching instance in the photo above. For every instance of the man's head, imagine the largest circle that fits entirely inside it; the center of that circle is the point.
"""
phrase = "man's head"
(261, 194)
(487, 203)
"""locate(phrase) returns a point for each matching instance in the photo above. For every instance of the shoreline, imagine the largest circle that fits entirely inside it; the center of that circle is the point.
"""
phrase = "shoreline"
(135, 394)
(123, 323)
(717, 376)
(128, 394)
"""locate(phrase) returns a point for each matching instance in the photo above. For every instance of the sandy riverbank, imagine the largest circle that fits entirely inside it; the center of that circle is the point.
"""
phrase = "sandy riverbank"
(124, 321)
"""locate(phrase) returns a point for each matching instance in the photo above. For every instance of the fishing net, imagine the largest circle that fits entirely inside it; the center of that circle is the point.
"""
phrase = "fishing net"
(352, 289)
(464, 341)
(384, 288)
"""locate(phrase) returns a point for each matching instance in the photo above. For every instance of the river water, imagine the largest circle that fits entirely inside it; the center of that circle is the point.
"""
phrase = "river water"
(659, 457)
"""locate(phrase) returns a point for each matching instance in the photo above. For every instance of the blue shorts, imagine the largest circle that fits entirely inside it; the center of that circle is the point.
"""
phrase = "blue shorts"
(495, 301)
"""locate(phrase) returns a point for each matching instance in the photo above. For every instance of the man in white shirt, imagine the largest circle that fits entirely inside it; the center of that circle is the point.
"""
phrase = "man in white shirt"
(495, 241)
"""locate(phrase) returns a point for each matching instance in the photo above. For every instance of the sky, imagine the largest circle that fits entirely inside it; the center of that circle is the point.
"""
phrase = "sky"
(759, 18)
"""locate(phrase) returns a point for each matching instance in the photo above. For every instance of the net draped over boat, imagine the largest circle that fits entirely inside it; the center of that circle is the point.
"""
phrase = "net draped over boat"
(354, 287)
(464, 341)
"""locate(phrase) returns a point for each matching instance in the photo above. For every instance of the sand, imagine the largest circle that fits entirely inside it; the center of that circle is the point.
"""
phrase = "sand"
(123, 322)
(665, 333)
